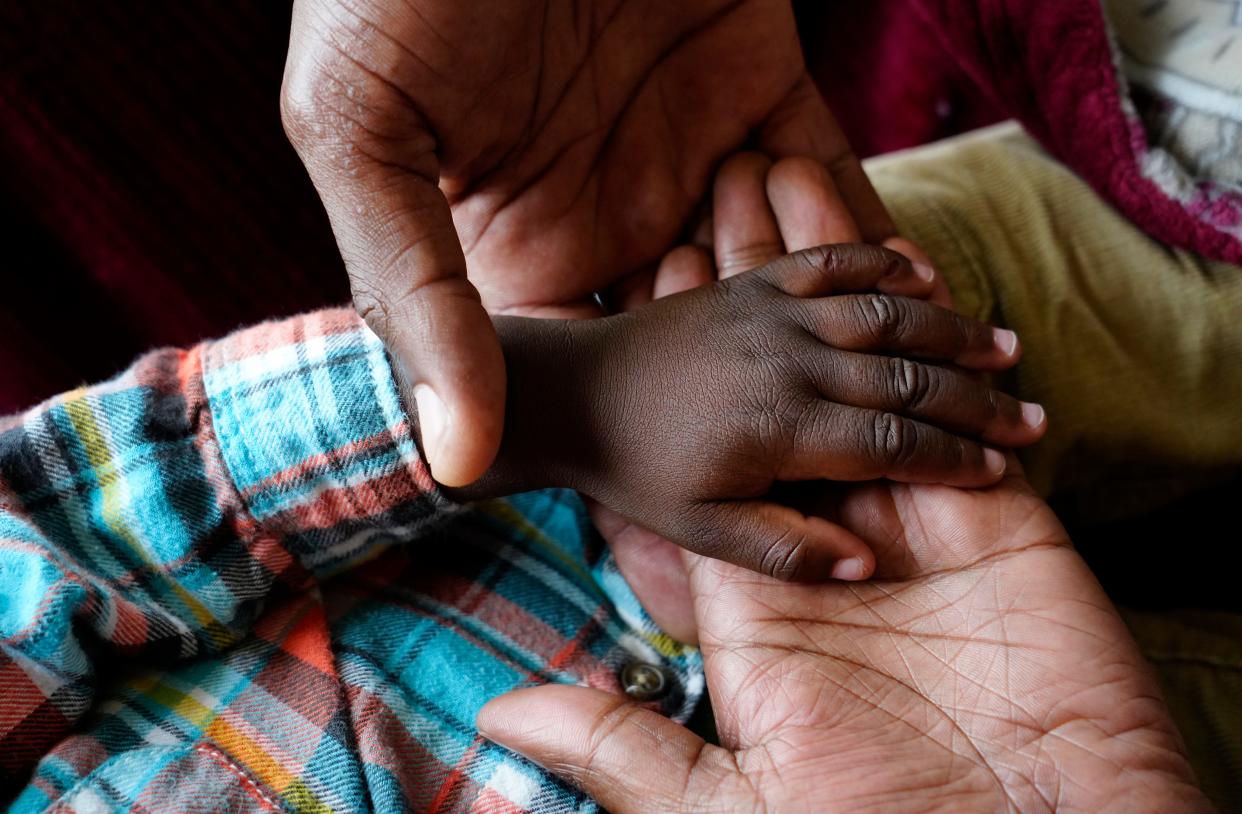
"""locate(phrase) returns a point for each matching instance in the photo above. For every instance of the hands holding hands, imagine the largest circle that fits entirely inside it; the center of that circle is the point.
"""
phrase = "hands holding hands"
(981, 669)
(688, 415)
(559, 151)
(554, 150)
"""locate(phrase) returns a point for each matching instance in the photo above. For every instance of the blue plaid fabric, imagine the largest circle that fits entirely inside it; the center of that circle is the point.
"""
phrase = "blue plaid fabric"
(228, 583)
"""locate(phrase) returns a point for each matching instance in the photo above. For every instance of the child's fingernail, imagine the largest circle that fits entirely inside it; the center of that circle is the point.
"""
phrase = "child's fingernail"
(849, 570)
(432, 420)
(994, 461)
(924, 272)
(1005, 340)
(1032, 414)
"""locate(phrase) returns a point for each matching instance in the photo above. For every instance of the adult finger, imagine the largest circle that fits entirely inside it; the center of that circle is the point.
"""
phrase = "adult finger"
(880, 323)
(746, 234)
(808, 207)
(630, 292)
(802, 125)
(628, 758)
(682, 269)
(582, 309)
(445, 352)
(396, 235)
(810, 212)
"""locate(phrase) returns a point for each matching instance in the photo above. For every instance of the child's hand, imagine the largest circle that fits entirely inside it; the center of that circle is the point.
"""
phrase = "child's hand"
(684, 414)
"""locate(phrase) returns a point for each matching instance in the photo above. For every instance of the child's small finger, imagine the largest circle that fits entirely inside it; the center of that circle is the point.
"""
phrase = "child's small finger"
(745, 234)
(878, 323)
(778, 541)
(842, 268)
(838, 442)
(936, 395)
(927, 283)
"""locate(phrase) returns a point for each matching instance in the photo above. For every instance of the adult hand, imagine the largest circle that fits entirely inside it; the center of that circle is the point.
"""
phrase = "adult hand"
(563, 147)
(986, 670)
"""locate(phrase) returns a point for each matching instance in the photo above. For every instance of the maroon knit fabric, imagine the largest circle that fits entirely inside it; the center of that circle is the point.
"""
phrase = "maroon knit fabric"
(149, 194)
(1051, 66)
(887, 77)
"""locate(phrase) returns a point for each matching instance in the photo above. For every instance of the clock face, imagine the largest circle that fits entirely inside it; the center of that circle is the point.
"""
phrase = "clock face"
(1192, 44)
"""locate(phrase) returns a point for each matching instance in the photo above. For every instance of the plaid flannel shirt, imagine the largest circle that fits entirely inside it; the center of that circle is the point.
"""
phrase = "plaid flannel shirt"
(227, 583)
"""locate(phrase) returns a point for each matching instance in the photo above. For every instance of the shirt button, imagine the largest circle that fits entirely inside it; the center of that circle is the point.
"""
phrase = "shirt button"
(644, 682)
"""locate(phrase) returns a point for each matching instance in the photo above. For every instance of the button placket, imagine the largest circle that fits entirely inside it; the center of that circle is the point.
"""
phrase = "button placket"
(644, 682)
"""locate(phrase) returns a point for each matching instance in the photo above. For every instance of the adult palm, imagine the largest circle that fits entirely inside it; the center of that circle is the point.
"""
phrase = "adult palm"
(983, 670)
(562, 146)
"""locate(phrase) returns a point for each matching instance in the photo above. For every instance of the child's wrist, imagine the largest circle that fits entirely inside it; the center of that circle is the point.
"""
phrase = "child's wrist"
(549, 407)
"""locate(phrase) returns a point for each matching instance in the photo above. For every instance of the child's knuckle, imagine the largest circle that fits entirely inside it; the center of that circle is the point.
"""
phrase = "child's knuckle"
(880, 317)
(894, 440)
(911, 384)
(783, 556)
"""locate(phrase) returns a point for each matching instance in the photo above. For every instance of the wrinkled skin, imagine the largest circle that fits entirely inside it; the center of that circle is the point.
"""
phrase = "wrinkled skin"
(761, 210)
(984, 671)
(690, 415)
(554, 149)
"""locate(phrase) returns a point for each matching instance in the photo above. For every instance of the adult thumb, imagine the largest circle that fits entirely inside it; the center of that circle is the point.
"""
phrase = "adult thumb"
(448, 362)
(407, 271)
(444, 350)
(630, 759)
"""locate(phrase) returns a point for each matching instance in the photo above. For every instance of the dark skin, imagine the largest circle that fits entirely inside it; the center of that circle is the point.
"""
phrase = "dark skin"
(552, 149)
(983, 670)
(760, 211)
(690, 415)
